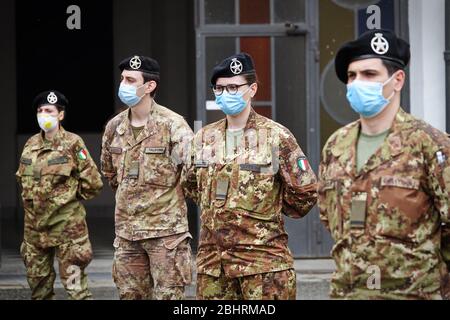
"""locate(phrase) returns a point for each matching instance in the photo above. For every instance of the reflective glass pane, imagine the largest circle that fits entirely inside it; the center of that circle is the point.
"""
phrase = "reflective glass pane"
(291, 111)
(290, 86)
(289, 10)
(339, 28)
(259, 49)
(219, 12)
(254, 11)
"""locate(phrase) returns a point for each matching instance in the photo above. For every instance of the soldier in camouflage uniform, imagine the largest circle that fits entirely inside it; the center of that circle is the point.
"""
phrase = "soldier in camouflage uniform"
(142, 154)
(55, 173)
(242, 189)
(384, 182)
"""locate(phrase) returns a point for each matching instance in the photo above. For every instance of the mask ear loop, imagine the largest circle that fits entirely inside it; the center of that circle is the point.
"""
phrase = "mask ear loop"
(385, 83)
(139, 88)
(391, 96)
(249, 99)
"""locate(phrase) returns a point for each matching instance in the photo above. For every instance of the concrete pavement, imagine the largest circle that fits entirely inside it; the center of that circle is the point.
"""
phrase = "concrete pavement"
(312, 279)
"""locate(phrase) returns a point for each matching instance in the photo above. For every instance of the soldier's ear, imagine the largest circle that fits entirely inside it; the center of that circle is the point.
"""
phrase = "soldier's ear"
(150, 87)
(399, 77)
(61, 115)
(253, 89)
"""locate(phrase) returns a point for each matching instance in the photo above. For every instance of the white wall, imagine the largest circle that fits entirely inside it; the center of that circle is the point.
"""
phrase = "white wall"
(427, 67)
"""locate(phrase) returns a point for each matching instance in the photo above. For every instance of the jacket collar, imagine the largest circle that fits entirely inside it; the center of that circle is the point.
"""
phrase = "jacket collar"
(149, 129)
(55, 144)
(345, 148)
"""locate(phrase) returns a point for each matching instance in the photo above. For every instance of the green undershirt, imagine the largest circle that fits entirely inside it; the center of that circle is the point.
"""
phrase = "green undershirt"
(137, 131)
(366, 146)
(233, 140)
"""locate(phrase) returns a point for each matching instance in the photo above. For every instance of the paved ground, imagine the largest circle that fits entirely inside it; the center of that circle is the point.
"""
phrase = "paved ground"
(312, 279)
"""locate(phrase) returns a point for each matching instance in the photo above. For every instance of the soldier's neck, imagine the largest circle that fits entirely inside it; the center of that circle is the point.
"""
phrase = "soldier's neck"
(141, 112)
(383, 121)
(49, 135)
(238, 121)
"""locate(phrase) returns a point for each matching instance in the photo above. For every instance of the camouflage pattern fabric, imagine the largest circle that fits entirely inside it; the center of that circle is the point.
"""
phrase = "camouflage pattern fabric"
(73, 257)
(145, 174)
(242, 198)
(54, 176)
(157, 268)
(279, 285)
(398, 243)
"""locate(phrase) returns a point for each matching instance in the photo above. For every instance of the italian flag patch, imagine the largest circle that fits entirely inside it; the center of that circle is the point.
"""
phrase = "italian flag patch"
(82, 154)
(302, 163)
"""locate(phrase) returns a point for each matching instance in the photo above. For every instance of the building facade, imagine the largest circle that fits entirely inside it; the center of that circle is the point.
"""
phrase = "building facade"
(75, 47)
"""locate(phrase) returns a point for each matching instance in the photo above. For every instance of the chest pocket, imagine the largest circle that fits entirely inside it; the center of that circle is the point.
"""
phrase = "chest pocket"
(55, 176)
(158, 167)
(401, 204)
(117, 154)
(203, 183)
(256, 191)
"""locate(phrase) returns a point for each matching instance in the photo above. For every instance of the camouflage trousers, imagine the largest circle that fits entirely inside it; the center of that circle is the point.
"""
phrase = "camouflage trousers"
(445, 250)
(73, 257)
(157, 268)
(280, 285)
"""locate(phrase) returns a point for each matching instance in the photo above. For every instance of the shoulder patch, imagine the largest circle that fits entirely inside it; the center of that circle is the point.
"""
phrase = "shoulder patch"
(82, 154)
(441, 157)
(303, 163)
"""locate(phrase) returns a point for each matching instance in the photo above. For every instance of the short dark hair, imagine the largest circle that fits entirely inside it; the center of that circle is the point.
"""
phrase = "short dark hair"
(60, 108)
(251, 78)
(391, 66)
(57, 106)
(151, 77)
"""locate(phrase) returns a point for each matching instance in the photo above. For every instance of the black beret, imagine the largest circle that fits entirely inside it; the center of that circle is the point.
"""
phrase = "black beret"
(140, 63)
(50, 97)
(238, 64)
(382, 44)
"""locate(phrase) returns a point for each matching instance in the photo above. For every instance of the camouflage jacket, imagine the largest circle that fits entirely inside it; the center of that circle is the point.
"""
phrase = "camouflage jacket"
(242, 197)
(54, 176)
(407, 184)
(145, 174)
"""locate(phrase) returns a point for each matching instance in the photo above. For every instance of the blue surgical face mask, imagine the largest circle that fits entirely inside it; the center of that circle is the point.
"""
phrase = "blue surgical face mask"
(366, 97)
(127, 94)
(232, 104)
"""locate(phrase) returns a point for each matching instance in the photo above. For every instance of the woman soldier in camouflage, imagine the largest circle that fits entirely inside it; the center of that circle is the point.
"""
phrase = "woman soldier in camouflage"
(55, 173)
(246, 170)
